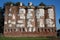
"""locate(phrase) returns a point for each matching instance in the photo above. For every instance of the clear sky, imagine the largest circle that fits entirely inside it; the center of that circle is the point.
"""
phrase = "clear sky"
(56, 3)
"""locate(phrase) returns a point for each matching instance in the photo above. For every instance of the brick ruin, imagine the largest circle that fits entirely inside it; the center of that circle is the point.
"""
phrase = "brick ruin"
(29, 21)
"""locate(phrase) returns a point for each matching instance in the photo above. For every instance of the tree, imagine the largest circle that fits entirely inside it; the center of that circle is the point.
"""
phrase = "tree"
(59, 21)
(1, 20)
(18, 3)
(58, 32)
(41, 4)
(8, 4)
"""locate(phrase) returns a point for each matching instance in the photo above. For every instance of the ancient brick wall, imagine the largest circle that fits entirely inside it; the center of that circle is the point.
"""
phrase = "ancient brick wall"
(22, 21)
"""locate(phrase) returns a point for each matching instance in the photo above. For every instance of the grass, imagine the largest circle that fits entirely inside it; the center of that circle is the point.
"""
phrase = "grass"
(29, 38)
(23, 38)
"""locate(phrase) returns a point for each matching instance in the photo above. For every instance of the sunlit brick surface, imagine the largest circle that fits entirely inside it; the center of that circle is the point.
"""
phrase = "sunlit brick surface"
(31, 21)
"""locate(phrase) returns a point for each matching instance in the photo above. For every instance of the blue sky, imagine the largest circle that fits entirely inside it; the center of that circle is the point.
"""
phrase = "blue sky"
(56, 3)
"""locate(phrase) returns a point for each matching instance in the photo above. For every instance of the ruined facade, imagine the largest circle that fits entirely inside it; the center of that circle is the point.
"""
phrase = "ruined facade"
(29, 21)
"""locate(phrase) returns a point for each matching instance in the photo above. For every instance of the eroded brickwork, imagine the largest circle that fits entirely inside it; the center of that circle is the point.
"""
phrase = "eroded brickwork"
(30, 21)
